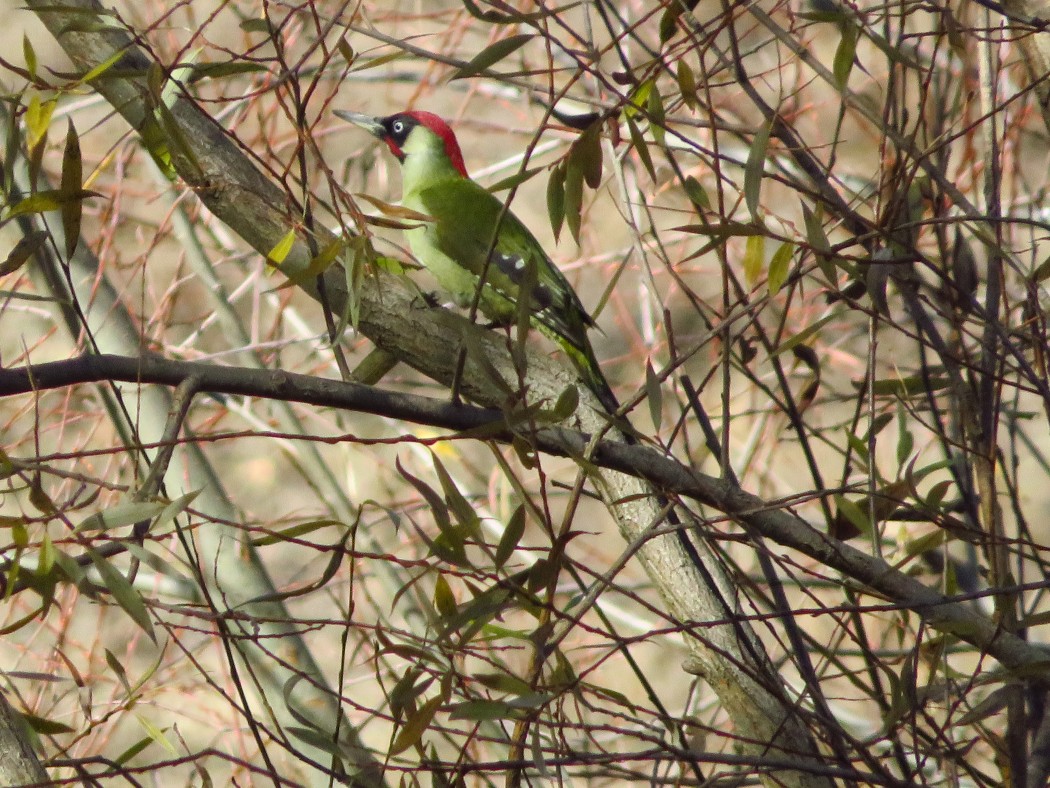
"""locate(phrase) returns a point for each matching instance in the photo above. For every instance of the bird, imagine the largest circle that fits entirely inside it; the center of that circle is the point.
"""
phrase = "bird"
(469, 239)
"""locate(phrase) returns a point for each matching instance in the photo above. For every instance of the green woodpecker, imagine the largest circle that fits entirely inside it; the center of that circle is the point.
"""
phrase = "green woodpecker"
(470, 240)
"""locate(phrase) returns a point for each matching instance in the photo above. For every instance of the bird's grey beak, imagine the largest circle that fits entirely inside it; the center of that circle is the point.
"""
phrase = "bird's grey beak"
(367, 122)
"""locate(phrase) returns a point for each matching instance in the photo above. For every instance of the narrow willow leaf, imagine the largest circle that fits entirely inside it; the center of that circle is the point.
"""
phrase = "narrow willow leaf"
(30, 55)
(38, 119)
(44, 726)
(655, 108)
(511, 537)
(121, 515)
(654, 395)
(280, 250)
(514, 180)
(126, 596)
(482, 710)
(382, 60)
(587, 150)
(24, 249)
(754, 259)
(72, 181)
(230, 68)
(415, 726)
(806, 333)
(573, 197)
(844, 54)
(465, 514)
(687, 84)
(696, 193)
(491, 55)
(346, 51)
(779, 266)
(641, 147)
(49, 200)
(444, 599)
(156, 734)
(438, 509)
(638, 99)
(103, 67)
(556, 199)
(754, 168)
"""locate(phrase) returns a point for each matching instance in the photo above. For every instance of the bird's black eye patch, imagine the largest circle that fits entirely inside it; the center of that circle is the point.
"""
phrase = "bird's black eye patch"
(398, 127)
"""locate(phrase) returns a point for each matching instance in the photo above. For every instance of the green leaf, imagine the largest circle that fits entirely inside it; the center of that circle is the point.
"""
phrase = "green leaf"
(638, 99)
(641, 147)
(687, 84)
(844, 54)
(853, 513)
(228, 69)
(779, 266)
(156, 734)
(510, 15)
(30, 55)
(586, 151)
(255, 25)
(573, 197)
(814, 231)
(126, 596)
(511, 537)
(653, 395)
(49, 200)
(415, 726)
(178, 75)
(655, 108)
(72, 181)
(120, 515)
(44, 726)
(382, 60)
(754, 168)
(38, 119)
(556, 199)
(465, 514)
(754, 259)
(806, 333)
(444, 599)
(134, 750)
(514, 180)
(103, 67)
(437, 506)
(24, 249)
(910, 385)
(482, 710)
(295, 532)
(156, 144)
(905, 439)
(491, 55)
(696, 193)
(175, 136)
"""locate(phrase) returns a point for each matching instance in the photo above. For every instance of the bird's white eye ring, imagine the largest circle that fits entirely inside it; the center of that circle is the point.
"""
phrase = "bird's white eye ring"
(398, 126)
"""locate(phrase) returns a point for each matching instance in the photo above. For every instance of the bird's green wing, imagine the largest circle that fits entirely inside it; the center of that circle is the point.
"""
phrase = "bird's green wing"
(465, 216)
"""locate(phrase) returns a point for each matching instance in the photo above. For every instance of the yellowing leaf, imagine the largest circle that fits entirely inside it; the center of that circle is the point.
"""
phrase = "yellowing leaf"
(754, 258)
(38, 119)
(415, 726)
(779, 267)
(280, 250)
